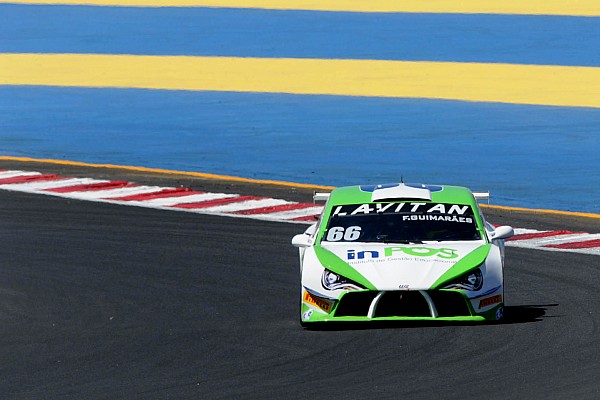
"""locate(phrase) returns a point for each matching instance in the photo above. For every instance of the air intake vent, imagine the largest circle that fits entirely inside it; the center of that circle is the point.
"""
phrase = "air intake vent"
(402, 304)
(355, 304)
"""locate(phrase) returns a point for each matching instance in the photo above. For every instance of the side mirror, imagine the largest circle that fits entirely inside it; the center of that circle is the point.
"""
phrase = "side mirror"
(302, 240)
(502, 232)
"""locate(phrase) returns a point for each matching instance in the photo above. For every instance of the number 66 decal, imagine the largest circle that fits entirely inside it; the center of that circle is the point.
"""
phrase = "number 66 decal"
(338, 233)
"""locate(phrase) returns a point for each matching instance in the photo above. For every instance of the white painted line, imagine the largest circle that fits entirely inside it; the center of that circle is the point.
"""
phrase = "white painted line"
(291, 214)
(72, 189)
(120, 192)
(522, 231)
(14, 174)
(193, 198)
(243, 205)
(557, 239)
(592, 250)
(36, 186)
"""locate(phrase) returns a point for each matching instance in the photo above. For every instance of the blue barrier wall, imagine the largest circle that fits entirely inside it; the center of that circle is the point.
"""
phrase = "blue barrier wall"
(531, 156)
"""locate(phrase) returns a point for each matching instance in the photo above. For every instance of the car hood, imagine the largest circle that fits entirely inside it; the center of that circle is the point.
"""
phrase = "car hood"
(402, 266)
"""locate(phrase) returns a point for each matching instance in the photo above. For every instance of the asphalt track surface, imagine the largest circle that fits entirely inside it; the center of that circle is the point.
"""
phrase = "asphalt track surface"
(102, 301)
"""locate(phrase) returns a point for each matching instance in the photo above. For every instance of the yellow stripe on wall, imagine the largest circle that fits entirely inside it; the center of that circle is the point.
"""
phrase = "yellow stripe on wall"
(541, 7)
(505, 83)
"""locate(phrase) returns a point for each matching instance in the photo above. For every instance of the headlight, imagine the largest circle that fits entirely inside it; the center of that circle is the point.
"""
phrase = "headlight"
(332, 281)
(470, 281)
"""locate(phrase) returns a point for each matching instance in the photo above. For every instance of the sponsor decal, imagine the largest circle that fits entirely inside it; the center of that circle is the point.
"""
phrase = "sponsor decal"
(422, 251)
(423, 209)
(306, 315)
(323, 304)
(446, 218)
(500, 313)
(391, 251)
(490, 301)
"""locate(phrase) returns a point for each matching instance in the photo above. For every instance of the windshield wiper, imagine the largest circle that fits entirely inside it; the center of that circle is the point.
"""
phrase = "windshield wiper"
(452, 237)
(408, 241)
(383, 239)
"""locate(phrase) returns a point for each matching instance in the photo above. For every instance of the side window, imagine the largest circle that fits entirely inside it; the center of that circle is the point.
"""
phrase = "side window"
(489, 228)
(319, 222)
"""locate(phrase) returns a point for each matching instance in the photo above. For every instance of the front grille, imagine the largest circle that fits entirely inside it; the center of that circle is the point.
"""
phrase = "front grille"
(449, 304)
(402, 304)
(355, 304)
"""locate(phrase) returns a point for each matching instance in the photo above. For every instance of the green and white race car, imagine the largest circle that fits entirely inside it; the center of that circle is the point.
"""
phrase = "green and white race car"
(401, 252)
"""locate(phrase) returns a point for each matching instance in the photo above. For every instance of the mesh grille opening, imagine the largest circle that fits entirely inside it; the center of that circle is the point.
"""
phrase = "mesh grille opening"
(355, 304)
(402, 304)
(449, 304)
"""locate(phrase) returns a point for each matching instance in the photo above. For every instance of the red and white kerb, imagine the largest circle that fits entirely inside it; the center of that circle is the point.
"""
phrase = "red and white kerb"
(235, 205)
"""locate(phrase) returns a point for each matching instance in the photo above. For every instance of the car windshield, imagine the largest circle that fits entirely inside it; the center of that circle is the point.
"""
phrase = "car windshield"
(401, 222)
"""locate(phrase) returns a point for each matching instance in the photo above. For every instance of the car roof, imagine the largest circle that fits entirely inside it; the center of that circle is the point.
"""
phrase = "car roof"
(398, 192)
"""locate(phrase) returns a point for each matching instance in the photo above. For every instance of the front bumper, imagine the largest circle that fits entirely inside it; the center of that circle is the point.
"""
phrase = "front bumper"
(422, 305)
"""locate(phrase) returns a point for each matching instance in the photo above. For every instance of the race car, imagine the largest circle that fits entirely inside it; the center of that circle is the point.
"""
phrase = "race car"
(401, 252)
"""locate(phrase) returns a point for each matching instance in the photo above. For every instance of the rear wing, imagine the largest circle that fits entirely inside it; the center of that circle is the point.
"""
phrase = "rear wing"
(321, 197)
(479, 196)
